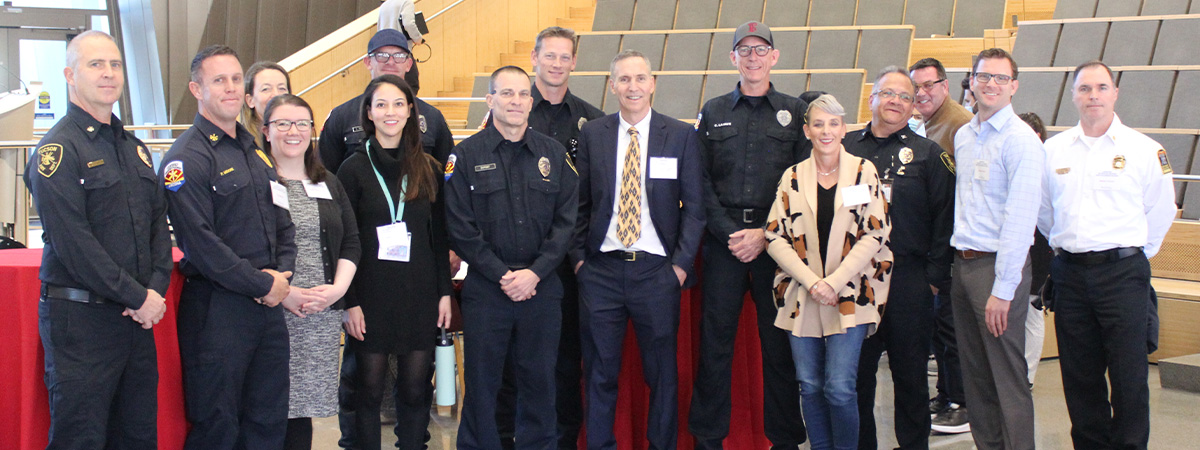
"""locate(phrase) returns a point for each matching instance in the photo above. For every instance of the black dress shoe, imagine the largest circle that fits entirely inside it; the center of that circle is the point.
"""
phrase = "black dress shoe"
(938, 405)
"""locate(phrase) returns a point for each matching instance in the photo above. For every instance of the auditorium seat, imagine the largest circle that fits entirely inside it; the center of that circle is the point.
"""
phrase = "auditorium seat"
(971, 19)
(718, 59)
(735, 13)
(697, 14)
(590, 88)
(716, 85)
(1179, 149)
(792, 84)
(1036, 43)
(1179, 46)
(931, 17)
(780, 13)
(1130, 43)
(846, 87)
(1164, 7)
(1067, 115)
(881, 12)
(1079, 42)
(477, 110)
(954, 78)
(649, 44)
(654, 15)
(792, 47)
(1144, 97)
(613, 15)
(1118, 8)
(687, 51)
(1074, 9)
(882, 48)
(1185, 110)
(678, 96)
(826, 13)
(1040, 93)
(835, 49)
(596, 52)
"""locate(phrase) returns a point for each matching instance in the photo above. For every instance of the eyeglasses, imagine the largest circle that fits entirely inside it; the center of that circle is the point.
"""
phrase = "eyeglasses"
(928, 86)
(984, 77)
(888, 95)
(760, 50)
(398, 57)
(285, 125)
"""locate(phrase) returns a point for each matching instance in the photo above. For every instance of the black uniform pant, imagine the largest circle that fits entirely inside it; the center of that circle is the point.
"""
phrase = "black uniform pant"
(945, 351)
(904, 332)
(568, 374)
(613, 292)
(235, 369)
(726, 280)
(1100, 317)
(101, 373)
(493, 325)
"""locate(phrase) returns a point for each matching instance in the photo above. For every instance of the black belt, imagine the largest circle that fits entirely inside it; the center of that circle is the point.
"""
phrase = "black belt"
(628, 256)
(72, 294)
(1099, 257)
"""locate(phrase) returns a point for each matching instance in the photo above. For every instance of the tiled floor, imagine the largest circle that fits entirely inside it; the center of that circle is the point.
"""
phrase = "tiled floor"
(1173, 418)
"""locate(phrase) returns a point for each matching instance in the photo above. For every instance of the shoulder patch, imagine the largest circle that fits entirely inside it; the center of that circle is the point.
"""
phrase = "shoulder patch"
(949, 162)
(144, 155)
(450, 166)
(173, 175)
(49, 158)
(1164, 162)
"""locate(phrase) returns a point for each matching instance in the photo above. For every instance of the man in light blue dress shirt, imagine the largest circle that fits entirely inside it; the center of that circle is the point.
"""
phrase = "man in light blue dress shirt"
(997, 196)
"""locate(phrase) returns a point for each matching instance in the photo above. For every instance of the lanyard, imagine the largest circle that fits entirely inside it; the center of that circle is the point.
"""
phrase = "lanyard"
(387, 193)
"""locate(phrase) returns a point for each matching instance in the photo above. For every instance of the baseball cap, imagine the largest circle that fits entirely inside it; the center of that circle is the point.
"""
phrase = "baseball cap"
(387, 37)
(753, 29)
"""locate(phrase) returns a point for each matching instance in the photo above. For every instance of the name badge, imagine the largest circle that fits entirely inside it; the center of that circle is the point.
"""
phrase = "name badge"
(394, 242)
(664, 168)
(887, 190)
(981, 170)
(317, 190)
(279, 195)
(858, 194)
(1106, 181)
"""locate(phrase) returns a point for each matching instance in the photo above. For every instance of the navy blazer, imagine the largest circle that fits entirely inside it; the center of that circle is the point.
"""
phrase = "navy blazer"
(676, 206)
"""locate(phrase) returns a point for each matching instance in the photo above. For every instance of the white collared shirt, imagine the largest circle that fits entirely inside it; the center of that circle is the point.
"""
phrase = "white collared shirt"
(1108, 192)
(648, 242)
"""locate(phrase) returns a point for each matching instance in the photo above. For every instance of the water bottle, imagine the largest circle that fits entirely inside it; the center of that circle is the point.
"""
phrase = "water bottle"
(445, 362)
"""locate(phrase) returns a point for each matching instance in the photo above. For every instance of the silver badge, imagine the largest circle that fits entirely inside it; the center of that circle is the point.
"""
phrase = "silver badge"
(784, 117)
(544, 166)
(906, 155)
(582, 120)
(421, 122)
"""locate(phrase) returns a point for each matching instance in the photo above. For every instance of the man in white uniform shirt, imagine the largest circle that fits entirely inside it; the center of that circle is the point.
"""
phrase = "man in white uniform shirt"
(1108, 200)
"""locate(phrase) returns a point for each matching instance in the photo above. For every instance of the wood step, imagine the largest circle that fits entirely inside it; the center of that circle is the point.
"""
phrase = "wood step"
(581, 12)
(578, 25)
(516, 59)
(523, 47)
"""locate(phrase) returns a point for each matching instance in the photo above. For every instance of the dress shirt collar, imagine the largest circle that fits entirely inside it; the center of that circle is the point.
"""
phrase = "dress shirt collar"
(998, 120)
(1114, 129)
(642, 126)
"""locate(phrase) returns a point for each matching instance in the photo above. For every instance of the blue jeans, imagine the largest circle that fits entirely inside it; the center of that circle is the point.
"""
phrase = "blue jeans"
(827, 369)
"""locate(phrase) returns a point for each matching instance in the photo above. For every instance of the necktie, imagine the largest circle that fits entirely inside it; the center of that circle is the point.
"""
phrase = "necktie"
(629, 216)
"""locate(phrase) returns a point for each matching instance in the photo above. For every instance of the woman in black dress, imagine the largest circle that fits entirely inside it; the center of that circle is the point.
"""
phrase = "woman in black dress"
(401, 292)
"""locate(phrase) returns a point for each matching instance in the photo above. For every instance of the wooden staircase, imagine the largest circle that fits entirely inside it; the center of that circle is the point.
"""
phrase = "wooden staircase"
(579, 19)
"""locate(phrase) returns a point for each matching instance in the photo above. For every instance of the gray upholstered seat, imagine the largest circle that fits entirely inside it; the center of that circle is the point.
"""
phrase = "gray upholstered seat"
(1185, 110)
(1164, 7)
(654, 15)
(972, 17)
(1073, 9)
(1179, 149)
(649, 44)
(613, 15)
(718, 58)
(596, 52)
(930, 17)
(1035, 44)
(792, 46)
(954, 82)
(477, 110)
(1144, 96)
(718, 85)
(697, 14)
(882, 48)
(847, 88)
(687, 51)
(1079, 42)
(881, 12)
(1130, 43)
(1118, 8)
(678, 96)
(1040, 93)
(1179, 46)
(590, 88)
(792, 84)
(826, 13)
(737, 12)
(832, 49)
(790, 13)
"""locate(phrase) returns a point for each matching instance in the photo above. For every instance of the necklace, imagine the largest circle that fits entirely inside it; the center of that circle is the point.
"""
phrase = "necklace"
(825, 174)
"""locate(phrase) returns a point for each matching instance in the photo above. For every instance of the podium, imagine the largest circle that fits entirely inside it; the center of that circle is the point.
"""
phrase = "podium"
(16, 126)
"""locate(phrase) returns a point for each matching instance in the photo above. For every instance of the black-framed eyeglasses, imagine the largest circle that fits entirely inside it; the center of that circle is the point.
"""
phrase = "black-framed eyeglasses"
(984, 77)
(928, 85)
(760, 50)
(888, 95)
(398, 57)
(285, 125)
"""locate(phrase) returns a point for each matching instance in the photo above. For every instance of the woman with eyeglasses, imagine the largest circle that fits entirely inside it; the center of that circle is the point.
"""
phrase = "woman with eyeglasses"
(264, 80)
(828, 231)
(401, 293)
(327, 253)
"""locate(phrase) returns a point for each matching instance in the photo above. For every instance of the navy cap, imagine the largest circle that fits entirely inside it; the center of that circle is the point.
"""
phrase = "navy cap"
(753, 29)
(387, 37)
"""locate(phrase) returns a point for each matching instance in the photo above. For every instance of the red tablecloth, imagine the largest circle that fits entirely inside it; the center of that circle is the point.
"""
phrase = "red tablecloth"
(22, 386)
(23, 389)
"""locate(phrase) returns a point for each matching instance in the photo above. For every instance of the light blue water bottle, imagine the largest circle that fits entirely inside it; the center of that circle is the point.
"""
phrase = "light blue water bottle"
(445, 363)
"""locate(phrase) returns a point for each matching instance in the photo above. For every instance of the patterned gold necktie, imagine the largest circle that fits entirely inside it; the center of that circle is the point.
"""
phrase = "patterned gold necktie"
(629, 216)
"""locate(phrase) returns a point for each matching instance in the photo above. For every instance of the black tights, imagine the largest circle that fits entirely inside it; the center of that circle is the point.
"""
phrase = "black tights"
(414, 369)
(299, 434)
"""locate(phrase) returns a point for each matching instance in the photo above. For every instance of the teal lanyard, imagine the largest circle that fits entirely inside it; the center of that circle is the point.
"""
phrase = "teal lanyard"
(387, 193)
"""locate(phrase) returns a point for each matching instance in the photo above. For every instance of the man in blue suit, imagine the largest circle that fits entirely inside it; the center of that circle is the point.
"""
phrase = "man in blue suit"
(640, 220)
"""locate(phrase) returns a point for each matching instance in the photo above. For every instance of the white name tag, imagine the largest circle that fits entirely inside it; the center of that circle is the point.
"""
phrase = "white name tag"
(317, 190)
(887, 192)
(981, 170)
(664, 168)
(856, 195)
(279, 195)
(394, 242)
(1106, 181)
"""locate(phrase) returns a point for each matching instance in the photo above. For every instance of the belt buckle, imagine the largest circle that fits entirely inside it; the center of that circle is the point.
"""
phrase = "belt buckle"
(748, 216)
(629, 256)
